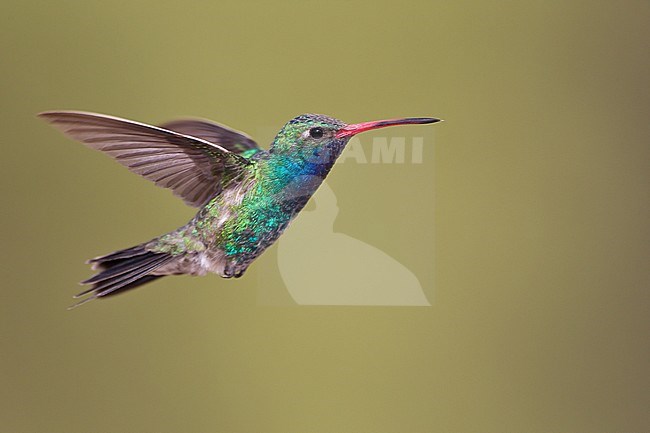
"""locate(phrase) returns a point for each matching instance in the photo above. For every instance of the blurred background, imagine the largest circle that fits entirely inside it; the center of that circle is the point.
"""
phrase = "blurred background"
(533, 200)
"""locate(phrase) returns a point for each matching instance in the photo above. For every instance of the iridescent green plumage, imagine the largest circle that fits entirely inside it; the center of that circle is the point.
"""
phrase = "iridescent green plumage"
(248, 217)
(246, 196)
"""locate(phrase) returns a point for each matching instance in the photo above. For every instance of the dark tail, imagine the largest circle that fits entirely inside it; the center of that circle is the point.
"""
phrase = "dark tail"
(121, 271)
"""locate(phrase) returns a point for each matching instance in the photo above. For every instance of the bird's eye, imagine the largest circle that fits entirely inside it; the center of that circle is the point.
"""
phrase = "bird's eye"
(316, 132)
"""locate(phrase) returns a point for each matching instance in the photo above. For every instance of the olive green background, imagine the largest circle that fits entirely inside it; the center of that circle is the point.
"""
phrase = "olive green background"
(534, 200)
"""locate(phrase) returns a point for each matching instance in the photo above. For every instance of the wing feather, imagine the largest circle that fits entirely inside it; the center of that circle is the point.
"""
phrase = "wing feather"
(233, 140)
(195, 169)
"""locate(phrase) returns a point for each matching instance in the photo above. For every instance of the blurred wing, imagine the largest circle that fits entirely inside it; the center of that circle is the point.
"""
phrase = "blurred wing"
(234, 141)
(194, 169)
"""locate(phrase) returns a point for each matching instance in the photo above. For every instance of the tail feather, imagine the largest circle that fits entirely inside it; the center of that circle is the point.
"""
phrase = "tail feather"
(114, 284)
(116, 269)
(121, 271)
(100, 262)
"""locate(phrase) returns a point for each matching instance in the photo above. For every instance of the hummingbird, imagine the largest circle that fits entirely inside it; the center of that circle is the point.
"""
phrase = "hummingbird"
(246, 196)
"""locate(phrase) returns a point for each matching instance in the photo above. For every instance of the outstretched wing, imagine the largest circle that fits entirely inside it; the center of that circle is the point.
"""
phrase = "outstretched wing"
(193, 168)
(234, 141)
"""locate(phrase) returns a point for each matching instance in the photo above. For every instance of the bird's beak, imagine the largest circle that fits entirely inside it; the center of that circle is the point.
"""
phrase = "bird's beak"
(350, 130)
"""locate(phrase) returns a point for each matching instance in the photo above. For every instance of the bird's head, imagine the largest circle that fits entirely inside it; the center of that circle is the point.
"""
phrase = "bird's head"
(321, 139)
(306, 148)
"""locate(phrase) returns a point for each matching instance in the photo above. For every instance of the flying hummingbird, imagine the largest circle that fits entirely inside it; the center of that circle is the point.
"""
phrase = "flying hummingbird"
(246, 196)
